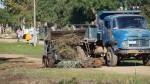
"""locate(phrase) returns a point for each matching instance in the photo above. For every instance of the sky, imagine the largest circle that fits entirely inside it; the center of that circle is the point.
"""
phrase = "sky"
(1, 5)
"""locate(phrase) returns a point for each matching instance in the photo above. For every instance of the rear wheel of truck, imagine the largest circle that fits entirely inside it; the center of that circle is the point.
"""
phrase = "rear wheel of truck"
(146, 60)
(111, 58)
(44, 61)
(48, 61)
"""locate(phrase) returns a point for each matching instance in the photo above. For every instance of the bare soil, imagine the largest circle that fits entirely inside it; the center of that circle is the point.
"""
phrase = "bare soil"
(14, 60)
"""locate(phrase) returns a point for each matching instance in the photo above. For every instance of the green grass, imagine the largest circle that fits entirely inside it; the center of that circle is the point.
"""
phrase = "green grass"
(21, 48)
(82, 74)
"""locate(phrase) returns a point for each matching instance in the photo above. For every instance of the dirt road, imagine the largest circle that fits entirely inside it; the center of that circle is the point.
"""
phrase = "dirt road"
(13, 60)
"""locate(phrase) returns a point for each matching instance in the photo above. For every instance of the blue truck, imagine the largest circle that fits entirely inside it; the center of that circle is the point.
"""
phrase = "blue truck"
(117, 36)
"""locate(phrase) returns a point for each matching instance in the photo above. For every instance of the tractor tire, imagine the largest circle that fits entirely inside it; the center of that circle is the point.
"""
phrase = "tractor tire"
(146, 60)
(111, 58)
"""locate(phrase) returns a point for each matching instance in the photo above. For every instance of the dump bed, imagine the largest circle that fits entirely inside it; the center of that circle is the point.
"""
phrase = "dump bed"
(84, 32)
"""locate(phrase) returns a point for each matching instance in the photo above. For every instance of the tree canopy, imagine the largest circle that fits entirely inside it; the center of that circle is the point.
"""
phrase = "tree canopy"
(72, 11)
(20, 9)
(4, 16)
(63, 12)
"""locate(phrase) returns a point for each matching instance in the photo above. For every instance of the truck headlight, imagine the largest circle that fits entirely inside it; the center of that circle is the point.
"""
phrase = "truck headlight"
(124, 44)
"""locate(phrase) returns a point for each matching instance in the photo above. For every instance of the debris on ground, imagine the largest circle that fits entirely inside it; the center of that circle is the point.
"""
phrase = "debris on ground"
(93, 62)
(89, 63)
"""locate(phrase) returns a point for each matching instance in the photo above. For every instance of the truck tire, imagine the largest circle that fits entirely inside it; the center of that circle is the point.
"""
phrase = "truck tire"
(146, 60)
(111, 58)
(48, 61)
(44, 61)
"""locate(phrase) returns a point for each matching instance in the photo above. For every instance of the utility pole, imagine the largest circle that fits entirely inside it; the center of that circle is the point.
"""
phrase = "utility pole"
(34, 32)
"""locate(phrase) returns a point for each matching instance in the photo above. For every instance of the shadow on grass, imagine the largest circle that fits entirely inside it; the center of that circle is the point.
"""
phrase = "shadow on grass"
(4, 60)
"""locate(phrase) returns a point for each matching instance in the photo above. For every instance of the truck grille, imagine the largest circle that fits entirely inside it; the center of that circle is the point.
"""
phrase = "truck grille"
(140, 43)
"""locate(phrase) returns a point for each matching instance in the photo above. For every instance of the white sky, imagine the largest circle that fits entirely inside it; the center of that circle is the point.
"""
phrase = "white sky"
(1, 6)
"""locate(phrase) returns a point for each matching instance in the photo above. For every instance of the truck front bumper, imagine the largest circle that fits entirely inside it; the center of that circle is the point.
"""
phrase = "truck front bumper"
(134, 51)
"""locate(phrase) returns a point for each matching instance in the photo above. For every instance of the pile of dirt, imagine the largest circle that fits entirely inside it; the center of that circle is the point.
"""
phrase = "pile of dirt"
(66, 46)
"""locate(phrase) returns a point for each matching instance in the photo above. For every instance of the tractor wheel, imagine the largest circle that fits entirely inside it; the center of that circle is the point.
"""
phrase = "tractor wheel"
(111, 58)
(146, 60)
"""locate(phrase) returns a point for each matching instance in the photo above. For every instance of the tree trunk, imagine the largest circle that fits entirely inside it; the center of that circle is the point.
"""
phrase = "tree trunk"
(0, 29)
(3, 30)
(6, 28)
(94, 12)
(22, 22)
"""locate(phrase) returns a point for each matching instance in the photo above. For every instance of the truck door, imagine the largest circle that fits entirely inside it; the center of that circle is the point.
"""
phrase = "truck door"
(107, 31)
(100, 30)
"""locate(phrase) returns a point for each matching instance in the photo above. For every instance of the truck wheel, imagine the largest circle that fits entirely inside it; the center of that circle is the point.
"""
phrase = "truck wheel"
(111, 58)
(49, 61)
(44, 61)
(146, 60)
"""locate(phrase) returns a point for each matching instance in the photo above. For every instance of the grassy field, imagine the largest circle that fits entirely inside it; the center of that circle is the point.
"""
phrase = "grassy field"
(77, 76)
(22, 48)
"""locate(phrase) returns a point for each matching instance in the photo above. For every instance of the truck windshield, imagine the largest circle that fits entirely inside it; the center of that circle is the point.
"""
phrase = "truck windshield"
(131, 22)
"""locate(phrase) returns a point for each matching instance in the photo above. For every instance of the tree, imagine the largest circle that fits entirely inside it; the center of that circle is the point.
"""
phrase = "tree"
(71, 11)
(22, 10)
(5, 16)
(54, 11)
(5, 19)
(92, 7)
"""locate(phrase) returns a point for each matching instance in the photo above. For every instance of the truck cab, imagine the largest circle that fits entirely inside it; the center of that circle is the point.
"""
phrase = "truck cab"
(125, 35)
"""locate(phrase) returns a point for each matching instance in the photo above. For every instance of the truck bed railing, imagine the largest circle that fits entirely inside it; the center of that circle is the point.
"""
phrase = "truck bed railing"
(83, 31)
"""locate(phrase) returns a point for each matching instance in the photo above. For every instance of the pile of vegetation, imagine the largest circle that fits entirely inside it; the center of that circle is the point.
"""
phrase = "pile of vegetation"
(66, 46)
